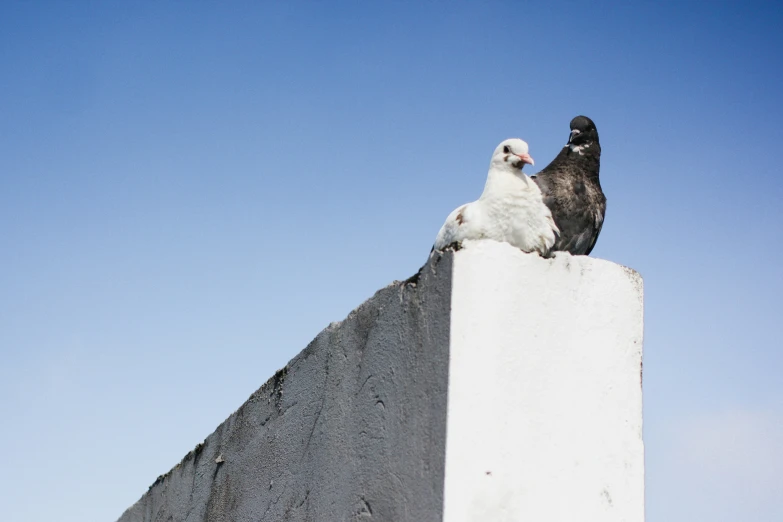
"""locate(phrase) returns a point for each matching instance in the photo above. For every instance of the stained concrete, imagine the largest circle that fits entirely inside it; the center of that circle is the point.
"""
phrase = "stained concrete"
(353, 428)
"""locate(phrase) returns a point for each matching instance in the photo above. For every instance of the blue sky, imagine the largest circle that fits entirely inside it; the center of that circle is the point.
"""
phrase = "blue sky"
(189, 193)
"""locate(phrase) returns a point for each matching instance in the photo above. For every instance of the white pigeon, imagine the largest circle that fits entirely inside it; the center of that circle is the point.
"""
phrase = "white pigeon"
(511, 208)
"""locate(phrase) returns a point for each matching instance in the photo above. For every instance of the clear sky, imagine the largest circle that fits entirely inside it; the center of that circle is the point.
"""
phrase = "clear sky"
(190, 192)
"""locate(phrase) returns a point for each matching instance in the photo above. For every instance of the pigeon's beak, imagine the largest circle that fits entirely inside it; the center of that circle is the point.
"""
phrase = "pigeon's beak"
(574, 134)
(526, 159)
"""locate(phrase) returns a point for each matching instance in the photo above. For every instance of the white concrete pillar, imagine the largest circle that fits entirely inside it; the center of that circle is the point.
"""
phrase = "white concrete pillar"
(544, 398)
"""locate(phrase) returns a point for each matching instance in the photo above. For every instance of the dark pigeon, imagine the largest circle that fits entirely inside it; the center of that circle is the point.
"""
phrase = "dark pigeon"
(572, 191)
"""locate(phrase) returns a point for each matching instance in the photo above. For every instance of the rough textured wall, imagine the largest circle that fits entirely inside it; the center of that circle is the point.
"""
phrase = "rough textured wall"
(353, 428)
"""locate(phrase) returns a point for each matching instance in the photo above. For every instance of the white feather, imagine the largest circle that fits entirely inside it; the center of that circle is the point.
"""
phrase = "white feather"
(510, 209)
(578, 148)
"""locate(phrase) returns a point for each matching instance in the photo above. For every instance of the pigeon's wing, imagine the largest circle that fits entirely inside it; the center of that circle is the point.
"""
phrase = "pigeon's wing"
(599, 223)
(453, 229)
(546, 184)
(588, 225)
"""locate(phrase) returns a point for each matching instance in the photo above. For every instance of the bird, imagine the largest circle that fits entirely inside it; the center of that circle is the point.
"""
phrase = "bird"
(572, 190)
(511, 208)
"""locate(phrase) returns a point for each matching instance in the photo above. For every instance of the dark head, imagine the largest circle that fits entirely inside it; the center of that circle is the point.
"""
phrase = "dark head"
(583, 132)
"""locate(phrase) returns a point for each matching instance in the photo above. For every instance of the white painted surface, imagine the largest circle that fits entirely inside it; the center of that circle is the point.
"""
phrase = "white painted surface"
(544, 403)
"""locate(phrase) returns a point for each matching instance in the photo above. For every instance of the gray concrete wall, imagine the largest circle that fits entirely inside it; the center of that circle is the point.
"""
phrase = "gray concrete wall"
(353, 428)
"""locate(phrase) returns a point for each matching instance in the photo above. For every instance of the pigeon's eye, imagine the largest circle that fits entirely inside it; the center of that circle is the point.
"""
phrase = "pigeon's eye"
(506, 149)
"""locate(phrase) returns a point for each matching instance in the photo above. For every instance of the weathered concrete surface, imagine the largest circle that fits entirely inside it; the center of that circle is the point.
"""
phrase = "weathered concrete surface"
(497, 386)
(353, 428)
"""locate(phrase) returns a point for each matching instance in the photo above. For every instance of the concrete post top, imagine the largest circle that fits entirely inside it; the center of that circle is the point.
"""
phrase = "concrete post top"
(479, 251)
